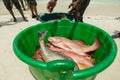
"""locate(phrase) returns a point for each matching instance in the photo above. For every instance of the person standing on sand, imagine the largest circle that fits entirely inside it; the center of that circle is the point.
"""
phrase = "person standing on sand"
(21, 1)
(33, 7)
(78, 8)
(8, 5)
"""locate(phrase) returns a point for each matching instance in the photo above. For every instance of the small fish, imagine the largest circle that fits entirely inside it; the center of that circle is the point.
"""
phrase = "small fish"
(76, 46)
(79, 42)
(66, 44)
(88, 48)
(81, 61)
(47, 54)
(95, 45)
(37, 55)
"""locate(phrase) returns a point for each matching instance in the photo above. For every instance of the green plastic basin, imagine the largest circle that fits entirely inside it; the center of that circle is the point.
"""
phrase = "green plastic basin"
(24, 46)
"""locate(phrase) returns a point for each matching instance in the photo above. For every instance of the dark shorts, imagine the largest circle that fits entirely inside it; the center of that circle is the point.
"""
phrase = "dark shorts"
(8, 4)
(33, 2)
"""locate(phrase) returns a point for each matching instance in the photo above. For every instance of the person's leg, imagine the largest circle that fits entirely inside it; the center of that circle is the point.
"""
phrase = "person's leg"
(36, 13)
(17, 5)
(32, 10)
(21, 12)
(21, 1)
(26, 2)
(8, 5)
(34, 6)
(80, 10)
(78, 16)
(11, 12)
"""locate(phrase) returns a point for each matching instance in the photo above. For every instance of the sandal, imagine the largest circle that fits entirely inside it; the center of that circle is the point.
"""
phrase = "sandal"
(116, 35)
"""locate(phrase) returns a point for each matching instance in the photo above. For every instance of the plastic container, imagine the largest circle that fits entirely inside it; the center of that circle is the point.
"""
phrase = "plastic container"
(25, 43)
(55, 16)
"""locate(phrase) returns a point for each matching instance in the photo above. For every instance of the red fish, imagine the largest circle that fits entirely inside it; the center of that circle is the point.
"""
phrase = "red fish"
(37, 55)
(66, 44)
(47, 54)
(81, 61)
(74, 46)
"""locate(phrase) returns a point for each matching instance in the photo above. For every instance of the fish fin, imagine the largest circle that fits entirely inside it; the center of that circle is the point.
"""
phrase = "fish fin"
(42, 34)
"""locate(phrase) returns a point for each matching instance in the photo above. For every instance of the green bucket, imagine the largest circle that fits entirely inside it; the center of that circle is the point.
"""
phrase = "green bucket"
(25, 43)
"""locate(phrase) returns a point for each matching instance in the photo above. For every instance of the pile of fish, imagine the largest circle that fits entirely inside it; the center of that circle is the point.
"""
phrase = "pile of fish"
(64, 48)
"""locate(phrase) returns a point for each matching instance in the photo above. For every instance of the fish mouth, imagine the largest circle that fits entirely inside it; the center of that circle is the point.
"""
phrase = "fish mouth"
(50, 40)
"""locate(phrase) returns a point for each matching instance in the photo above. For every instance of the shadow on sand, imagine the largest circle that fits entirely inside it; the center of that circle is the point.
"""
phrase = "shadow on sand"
(11, 22)
(116, 32)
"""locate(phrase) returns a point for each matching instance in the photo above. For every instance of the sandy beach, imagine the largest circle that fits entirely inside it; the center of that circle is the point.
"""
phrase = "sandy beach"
(11, 68)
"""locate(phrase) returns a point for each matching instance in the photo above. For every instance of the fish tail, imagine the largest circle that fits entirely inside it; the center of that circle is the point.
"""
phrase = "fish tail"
(42, 34)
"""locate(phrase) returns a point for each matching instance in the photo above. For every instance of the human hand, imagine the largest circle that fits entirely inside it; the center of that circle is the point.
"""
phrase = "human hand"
(73, 6)
(51, 4)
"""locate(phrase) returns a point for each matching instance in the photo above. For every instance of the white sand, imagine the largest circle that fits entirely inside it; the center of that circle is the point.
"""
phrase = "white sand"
(11, 68)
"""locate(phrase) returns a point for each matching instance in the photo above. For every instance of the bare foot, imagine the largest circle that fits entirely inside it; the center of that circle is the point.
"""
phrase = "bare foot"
(15, 20)
(25, 20)
(37, 17)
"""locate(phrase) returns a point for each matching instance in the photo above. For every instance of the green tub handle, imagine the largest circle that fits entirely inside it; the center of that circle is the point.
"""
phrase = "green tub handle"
(60, 65)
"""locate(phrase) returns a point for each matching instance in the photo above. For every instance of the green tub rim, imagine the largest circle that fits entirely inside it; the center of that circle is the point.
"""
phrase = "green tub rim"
(76, 74)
